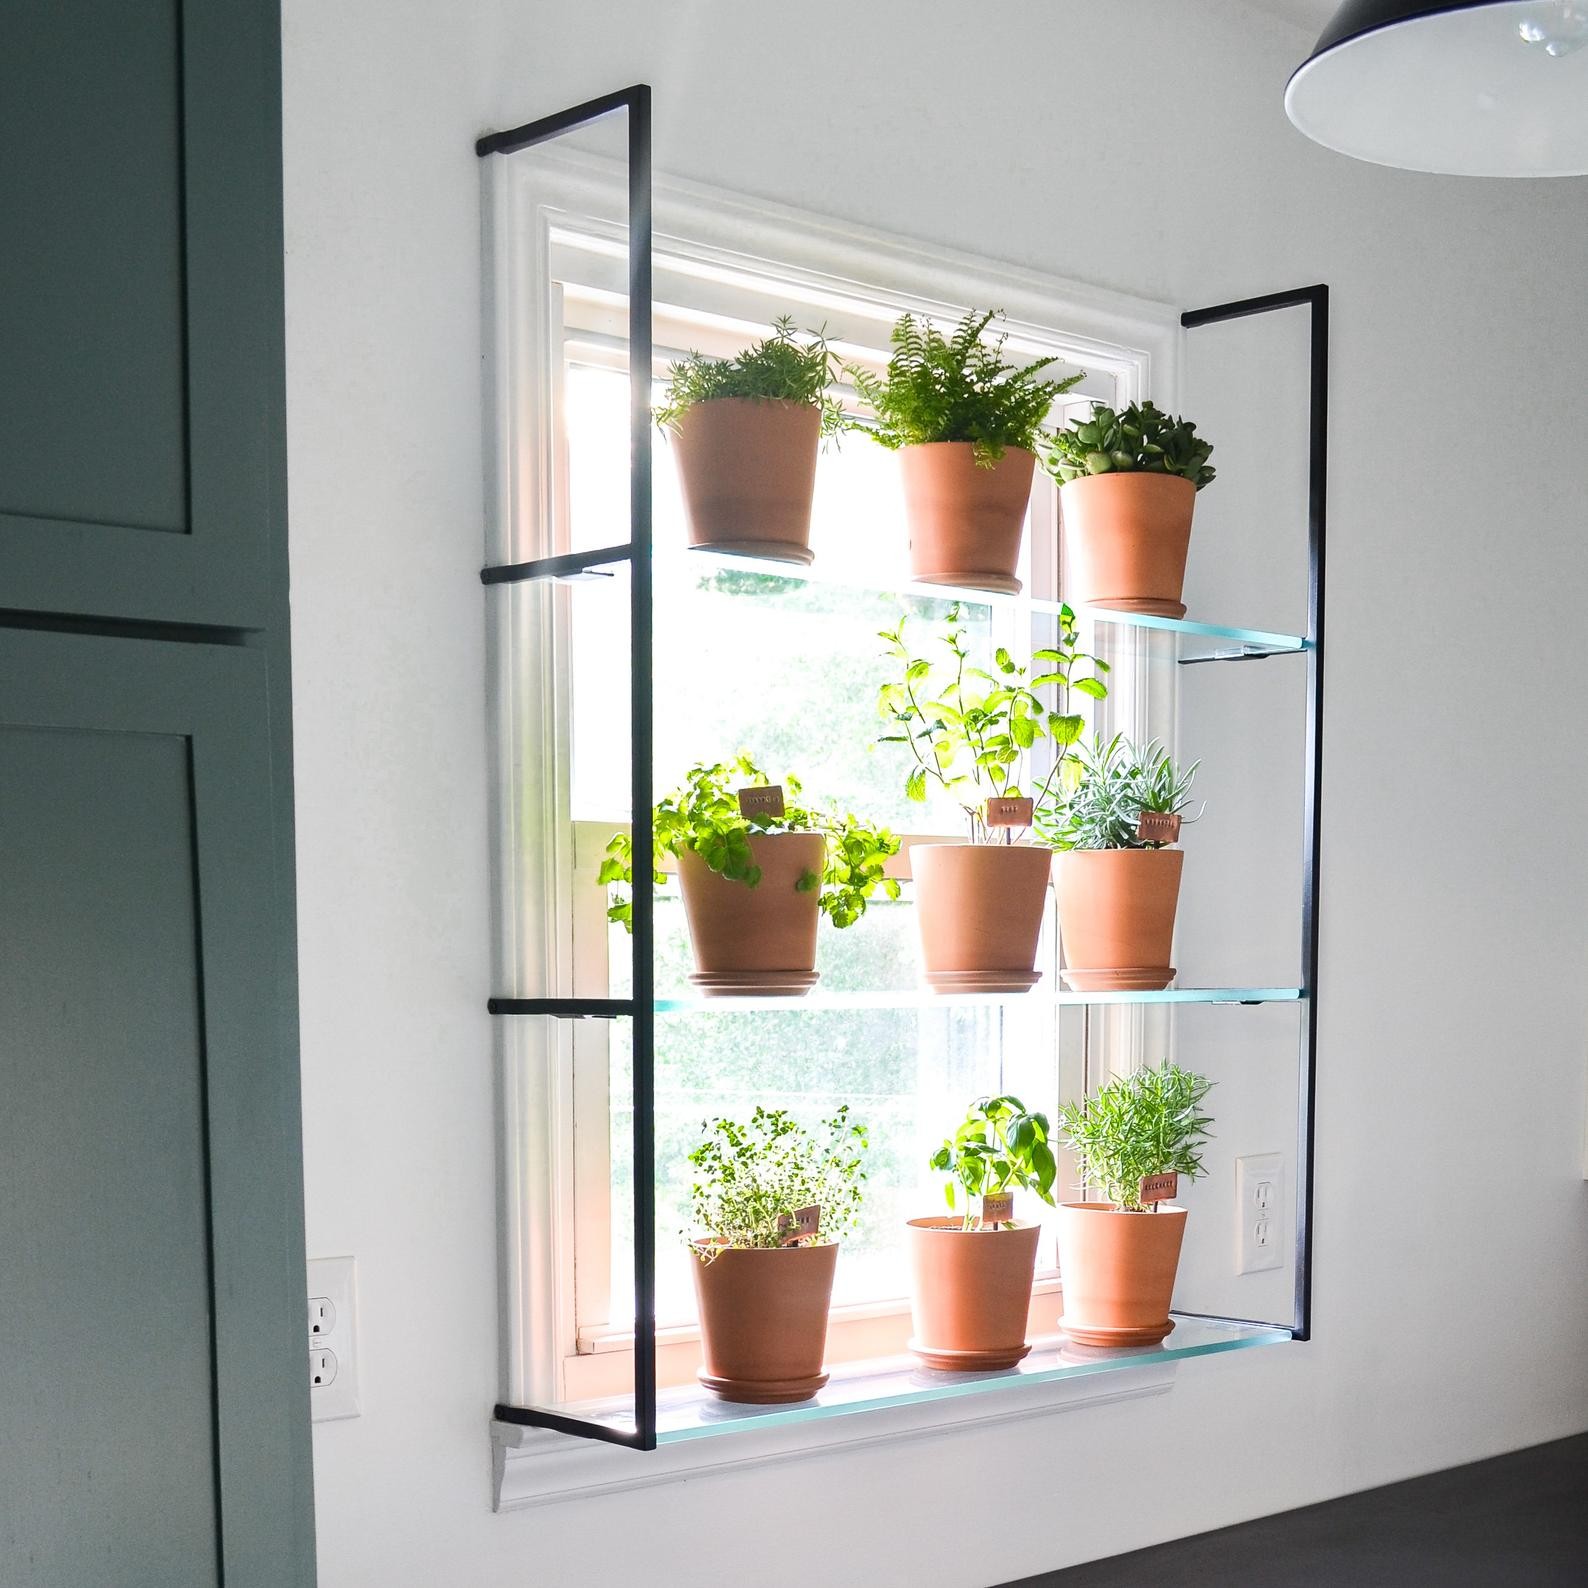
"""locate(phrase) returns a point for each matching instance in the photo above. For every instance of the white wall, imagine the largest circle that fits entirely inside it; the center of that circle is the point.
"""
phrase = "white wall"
(1141, 147)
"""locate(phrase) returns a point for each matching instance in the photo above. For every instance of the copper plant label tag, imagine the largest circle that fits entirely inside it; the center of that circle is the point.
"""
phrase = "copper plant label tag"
(998, 1208)
(1159, 827)
(1159, 1188)
(800, 1225)
(1004, 811)
(767, 801)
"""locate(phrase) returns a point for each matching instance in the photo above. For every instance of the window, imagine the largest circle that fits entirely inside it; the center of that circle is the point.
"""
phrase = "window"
(785, 666)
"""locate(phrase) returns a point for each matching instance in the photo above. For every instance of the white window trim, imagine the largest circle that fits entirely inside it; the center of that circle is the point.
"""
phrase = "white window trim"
(1137, 340)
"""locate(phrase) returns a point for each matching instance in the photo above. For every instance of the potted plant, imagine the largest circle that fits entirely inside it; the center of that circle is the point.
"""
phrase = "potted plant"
(756, 873)
(1117, 873)
(1117, 1259)
(979, 904)
(746, 432)
(964, 422)
(970, 1293)
(1128, 487)
(768, 1200)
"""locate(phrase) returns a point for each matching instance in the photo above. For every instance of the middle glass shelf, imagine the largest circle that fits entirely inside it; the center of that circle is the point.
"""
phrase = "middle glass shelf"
(922, 998)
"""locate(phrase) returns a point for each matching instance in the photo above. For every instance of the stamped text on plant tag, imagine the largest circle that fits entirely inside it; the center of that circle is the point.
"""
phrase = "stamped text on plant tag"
(800, 1225)
(765, 801)
(1159, 827)
(1005, 811)
(998, 1208)
(1159, 1188)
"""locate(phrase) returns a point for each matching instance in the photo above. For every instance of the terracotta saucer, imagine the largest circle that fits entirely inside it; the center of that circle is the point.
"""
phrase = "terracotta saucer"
(968, 1361)
(1085, 1334)
(763, 1392)
(1002, 583)
(754, 983)
(1155, 608)
(981, 981)
(767, 550)
(1133, 978)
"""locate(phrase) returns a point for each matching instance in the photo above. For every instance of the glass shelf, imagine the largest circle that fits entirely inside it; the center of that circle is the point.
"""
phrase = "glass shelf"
(689, 1412)
(1238, 644)
(921, 998)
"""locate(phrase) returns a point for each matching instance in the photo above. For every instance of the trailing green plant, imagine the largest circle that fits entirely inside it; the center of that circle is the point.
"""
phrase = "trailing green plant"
(1140, 439)
(749, 1176)
(969, 730)
(1142, 1124)
(782, 367)
(1105, 790)
(957, 388)
(704, 816)
(1000, 1147)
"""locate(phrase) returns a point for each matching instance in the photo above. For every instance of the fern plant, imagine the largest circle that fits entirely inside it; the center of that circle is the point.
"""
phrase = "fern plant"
(704, 816)
(957, 388)
(1139, 1125)
(1105, 790)
(781, 368)
(1140, 439)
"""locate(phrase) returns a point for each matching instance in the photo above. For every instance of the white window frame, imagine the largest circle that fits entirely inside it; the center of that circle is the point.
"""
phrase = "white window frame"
(707, 231)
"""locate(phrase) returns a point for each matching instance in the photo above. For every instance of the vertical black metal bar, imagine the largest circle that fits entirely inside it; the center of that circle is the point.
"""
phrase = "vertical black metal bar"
(1317, 514)
(1316, 300)
(641, 751)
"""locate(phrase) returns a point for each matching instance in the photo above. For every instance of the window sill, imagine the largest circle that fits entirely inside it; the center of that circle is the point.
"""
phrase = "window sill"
(865, 1403)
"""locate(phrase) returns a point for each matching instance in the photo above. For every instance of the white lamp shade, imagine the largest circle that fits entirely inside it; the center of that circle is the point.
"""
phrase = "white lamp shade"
(1462, 90)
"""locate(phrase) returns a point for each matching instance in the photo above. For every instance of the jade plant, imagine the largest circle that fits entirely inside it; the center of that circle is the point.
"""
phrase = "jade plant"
(1139, 439)
(1105, 791)
(1000, 1147)
(957, 388)
(781, 368)
(704, 816)
(1147, 1123)
(969, 730)
(752, 1177)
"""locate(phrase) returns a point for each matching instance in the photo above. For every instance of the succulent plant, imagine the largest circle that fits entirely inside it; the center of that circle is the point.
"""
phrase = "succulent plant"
(1140, 439)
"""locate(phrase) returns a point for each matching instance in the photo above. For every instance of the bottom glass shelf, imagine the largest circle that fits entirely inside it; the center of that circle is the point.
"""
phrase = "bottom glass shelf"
(690, 1412)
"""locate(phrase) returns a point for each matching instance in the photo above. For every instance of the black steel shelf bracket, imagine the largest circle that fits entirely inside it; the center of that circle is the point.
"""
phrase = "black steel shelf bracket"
(1315, 300)
(637, 553)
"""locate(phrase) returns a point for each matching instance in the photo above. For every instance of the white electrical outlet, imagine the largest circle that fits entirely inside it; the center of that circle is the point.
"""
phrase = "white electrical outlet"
(1259, 1211)
(332, 1339)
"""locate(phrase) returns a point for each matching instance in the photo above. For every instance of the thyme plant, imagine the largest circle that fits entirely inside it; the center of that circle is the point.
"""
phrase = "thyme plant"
(1107, 789)
(957, 388)
(704, 816)
(782, 367)
(1140, 439)
(1000, 1147)
(748, 1175)
(1142, 1124)
(969, 730)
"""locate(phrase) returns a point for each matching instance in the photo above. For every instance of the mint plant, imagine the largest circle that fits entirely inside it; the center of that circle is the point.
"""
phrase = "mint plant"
(1106, 788)
(704, 816)
(1000, 1147)
(781, 367)
(1139, 439)
(970, 731)
(1142, 1124)
(957, 388)
(748, 1176)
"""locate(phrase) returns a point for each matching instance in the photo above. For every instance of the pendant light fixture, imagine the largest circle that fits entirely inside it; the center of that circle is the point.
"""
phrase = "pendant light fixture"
(1475, 89)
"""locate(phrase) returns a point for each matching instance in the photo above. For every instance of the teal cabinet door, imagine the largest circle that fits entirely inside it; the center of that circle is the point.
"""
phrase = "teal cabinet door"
(153, 1348)
(140, 309)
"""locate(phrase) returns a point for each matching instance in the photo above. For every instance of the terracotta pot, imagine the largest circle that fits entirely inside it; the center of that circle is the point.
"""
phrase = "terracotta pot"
(1125, 541)
(1116, 916)
(756, 940)
(763, 1320)
(970, 1293)
(965, 522)
(979, 911)
(1118, 1272)
(748, 470)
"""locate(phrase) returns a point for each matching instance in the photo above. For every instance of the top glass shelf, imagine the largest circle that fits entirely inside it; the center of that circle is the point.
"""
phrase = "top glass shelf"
(921, 998)
(1229, 643)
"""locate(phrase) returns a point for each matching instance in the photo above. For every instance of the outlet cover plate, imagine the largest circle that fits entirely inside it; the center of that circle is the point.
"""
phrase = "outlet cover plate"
(333, 1280)
(1259, 1211)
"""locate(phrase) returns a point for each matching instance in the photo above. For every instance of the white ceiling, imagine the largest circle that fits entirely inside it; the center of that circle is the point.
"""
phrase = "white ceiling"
(1307, 14)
